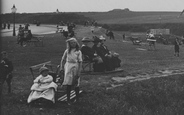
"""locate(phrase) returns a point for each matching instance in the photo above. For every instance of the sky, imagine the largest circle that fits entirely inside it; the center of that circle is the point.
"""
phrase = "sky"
(38, 6)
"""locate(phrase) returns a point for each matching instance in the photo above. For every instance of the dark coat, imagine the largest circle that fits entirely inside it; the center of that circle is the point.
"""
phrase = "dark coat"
(88, 53)
(6, 67)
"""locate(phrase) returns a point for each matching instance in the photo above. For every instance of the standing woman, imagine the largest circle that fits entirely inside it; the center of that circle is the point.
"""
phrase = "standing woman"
(71, 63)
(176, 47)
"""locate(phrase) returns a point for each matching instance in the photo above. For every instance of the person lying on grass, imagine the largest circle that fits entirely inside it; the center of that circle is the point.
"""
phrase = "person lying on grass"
(43, 87)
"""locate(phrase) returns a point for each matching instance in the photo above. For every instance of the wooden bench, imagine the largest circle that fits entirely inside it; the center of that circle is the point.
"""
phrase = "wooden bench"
(36, 41)
(35, 69)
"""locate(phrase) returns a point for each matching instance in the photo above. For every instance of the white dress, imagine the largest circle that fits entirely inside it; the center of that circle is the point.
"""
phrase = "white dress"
(44, 89)
(71, 66)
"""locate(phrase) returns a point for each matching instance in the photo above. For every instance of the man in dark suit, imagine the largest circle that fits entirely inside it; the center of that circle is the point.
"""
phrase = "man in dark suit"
(6, 70)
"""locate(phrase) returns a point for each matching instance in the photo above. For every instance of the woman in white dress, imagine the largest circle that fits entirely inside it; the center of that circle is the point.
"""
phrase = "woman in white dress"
(43, 87)
(71, 63)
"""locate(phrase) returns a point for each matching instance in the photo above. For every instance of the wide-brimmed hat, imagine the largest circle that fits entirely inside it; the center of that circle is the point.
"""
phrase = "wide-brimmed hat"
(71, 39)
(102, 38)
(86, 39)
(96, 39)
(43, 69)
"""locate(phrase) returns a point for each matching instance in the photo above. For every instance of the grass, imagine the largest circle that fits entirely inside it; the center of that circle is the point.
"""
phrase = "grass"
(120, 17)
(161, 96)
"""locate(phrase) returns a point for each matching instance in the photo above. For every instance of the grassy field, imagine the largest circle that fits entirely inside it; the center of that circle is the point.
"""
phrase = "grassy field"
(161, 96)
(131, 17)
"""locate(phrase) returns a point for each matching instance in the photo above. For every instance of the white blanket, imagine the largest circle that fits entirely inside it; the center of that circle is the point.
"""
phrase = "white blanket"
(44, 89)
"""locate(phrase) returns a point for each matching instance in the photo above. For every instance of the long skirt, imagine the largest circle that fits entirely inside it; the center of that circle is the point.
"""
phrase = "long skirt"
(48, 94)
(70, 74)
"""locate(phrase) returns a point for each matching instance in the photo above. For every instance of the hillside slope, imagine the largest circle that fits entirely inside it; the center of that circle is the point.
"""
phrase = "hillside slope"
(130, 17)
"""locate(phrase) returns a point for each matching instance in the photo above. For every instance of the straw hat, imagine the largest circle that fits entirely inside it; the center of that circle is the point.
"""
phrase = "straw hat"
(71, 39)
(43, 69)
(86, 39)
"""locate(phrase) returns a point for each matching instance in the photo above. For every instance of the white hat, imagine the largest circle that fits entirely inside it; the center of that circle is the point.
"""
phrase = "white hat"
(102, 38)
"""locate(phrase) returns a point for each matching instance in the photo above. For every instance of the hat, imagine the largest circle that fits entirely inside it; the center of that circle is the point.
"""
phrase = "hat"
(86, 39)
(43, 69)
(116, 55)
(71, 39)
(96, 39)
(102, 38)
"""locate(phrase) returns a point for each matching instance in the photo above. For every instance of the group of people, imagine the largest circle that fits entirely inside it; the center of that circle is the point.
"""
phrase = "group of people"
(5, 25)
(24, 34)
(71, 65)
(69, 32)
(152, 40)
(96, 51)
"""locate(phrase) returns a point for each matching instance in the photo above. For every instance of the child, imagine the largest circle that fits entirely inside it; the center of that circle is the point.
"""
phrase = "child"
(71, 63)
(8, 68)
(43, 87)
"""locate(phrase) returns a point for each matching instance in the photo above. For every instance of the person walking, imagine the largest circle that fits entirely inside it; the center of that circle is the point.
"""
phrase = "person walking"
(111, 35)
(176, 47)
(8, 25)
(151, 40)
(123, 36)
(71, 64)
(4, 25)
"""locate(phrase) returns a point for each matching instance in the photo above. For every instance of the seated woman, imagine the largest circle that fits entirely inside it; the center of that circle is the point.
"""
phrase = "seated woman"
(89, 54)
(98, 67)
(43, 87)
(110, 59)
(20, 37)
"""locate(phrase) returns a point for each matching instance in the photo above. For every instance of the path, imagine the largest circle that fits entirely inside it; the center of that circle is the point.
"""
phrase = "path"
(42, 29)
(119, 81)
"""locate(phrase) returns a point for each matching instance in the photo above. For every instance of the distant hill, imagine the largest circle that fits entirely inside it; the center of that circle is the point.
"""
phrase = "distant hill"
(116, 19)
(115, 16)
(120, 10)
(46, 18)
(125, 16)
